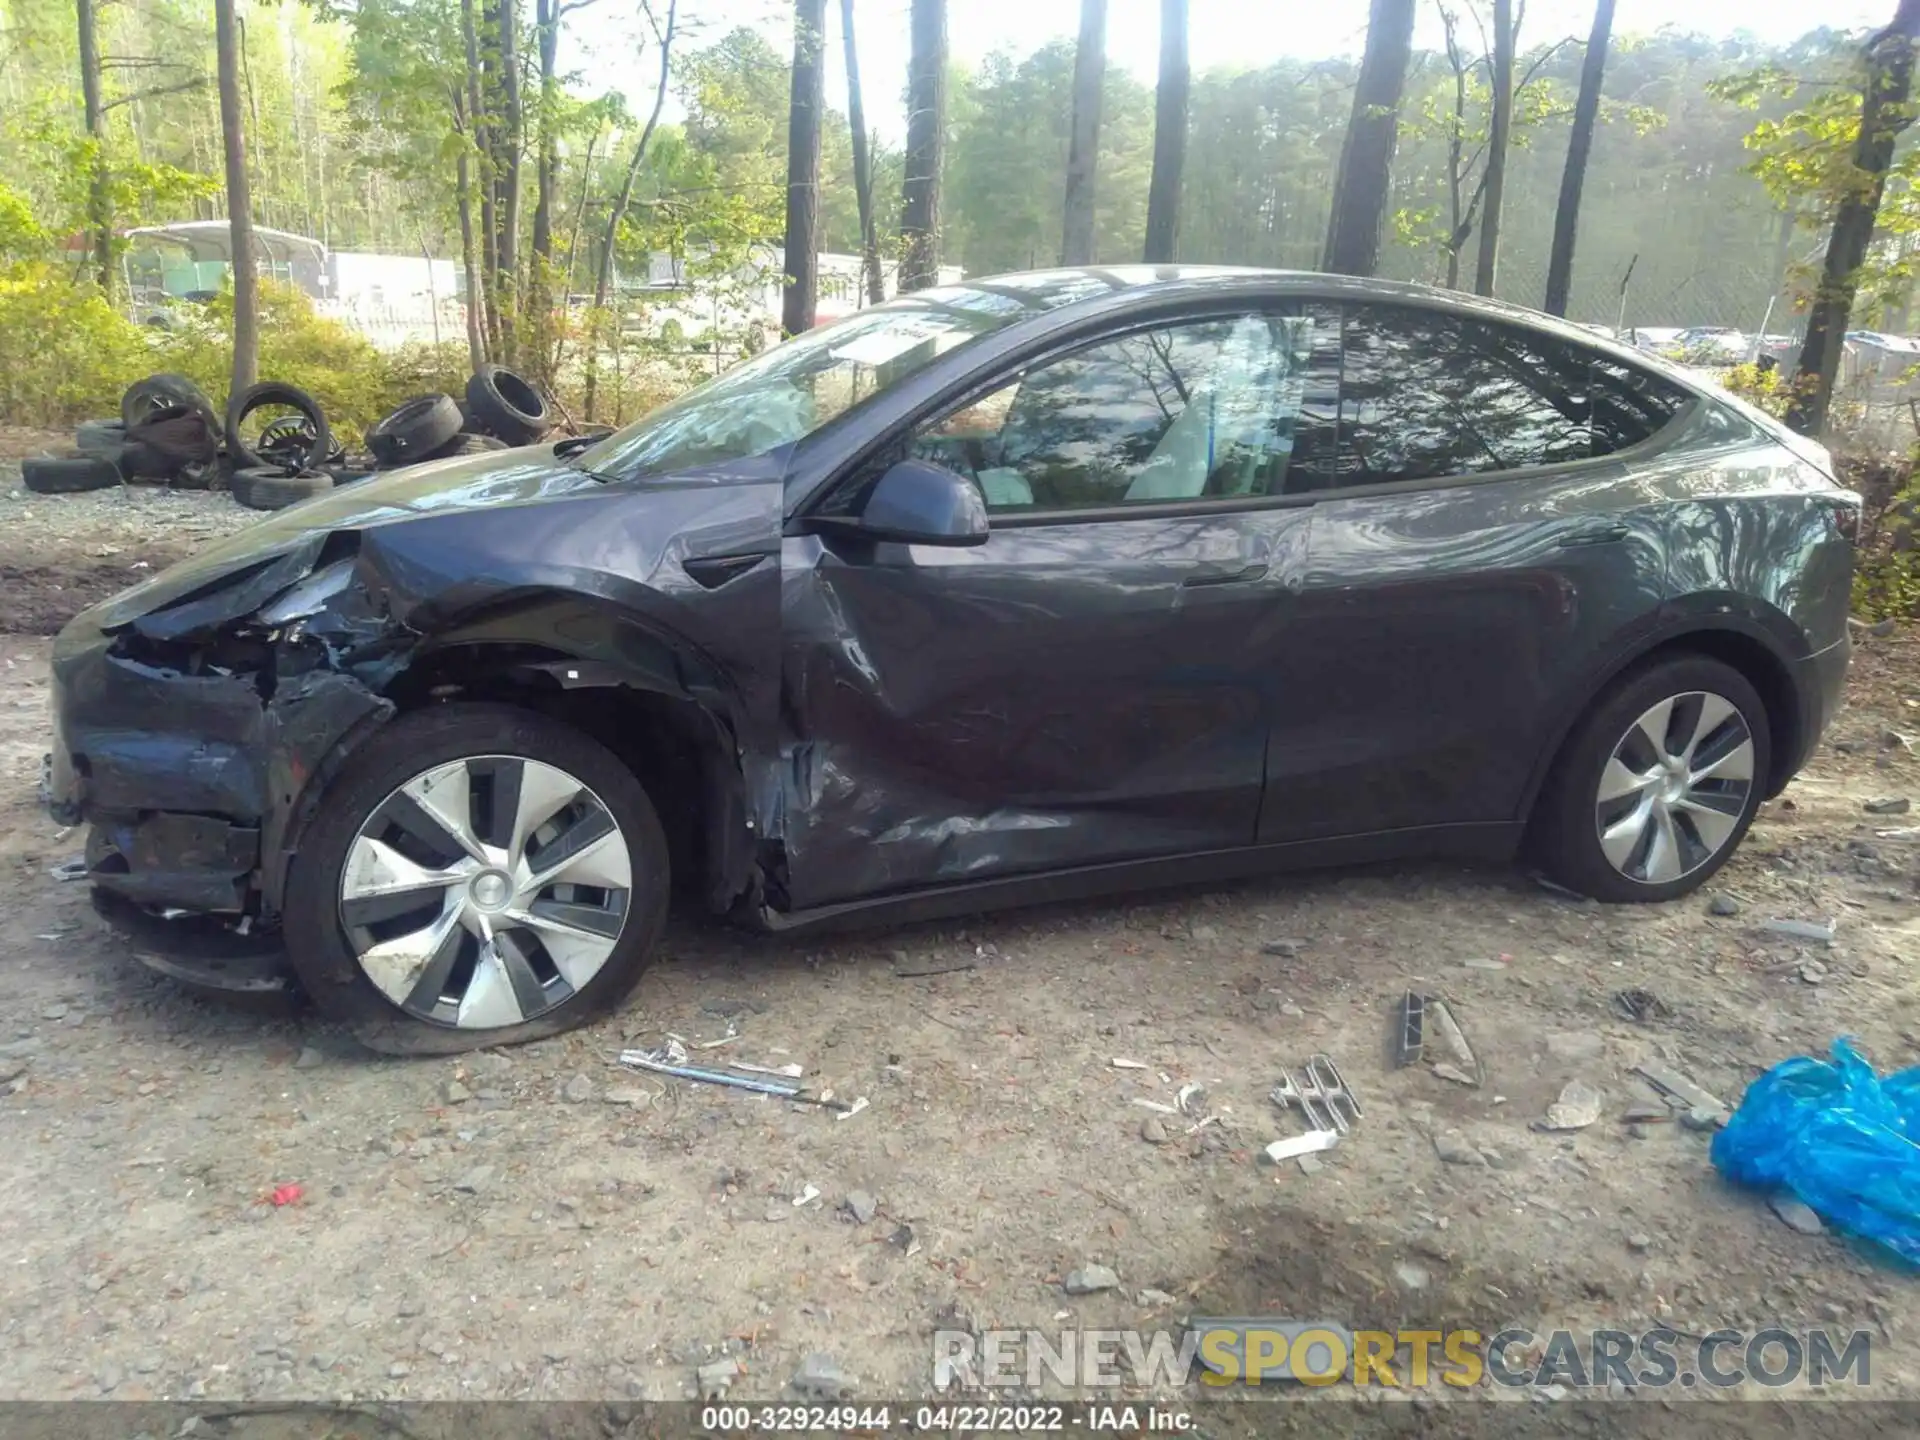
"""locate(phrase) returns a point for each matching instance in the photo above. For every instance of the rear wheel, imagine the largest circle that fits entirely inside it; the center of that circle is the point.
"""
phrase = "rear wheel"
(1656, 788)
(477, 875)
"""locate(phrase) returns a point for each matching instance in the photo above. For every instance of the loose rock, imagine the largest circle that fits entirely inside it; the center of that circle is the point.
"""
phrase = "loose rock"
(1411, 1276)
(1153, 1131)
(1578, 1107)
(1888, 805)
(861, 1206)
(1090, 1280)
(310, 1058)
(1723, 906)
(629, 1095)
(1797, 1214)
(454, 1093)
(578, 1090)
(716, 1377)
(1453, 1149)
(476, 1181)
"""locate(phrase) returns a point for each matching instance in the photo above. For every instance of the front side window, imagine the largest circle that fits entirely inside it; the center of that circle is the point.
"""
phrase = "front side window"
(785, 394)
(1206, 410)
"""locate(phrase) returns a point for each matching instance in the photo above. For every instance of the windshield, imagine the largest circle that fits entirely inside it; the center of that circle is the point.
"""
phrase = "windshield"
(792, 390)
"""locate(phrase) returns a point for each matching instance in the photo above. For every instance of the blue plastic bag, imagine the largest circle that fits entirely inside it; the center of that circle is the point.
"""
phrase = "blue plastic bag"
(1839, 1137)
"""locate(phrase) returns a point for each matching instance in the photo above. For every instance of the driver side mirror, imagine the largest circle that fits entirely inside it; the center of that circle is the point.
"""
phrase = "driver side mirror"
(922, 504)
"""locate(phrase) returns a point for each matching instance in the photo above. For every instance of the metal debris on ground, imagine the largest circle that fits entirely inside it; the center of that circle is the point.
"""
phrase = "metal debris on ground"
(1888, 805)
(1640, 1006)
(671, 1060)
(74, 869)
(1699, 1109)
(1448, 1036)
(1905, 832)
(1320, 1094)
(1410, 1034)
(916, 967)
(1816, 932)
(1121, 1063)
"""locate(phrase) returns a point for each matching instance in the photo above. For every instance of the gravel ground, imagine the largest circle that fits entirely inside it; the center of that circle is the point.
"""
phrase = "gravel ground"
(541, 1224)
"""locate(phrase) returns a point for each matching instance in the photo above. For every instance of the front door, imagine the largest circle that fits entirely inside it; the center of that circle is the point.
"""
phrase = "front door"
(1096, 682)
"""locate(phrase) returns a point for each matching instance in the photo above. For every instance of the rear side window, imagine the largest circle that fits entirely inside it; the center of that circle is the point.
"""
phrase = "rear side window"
(1426, 395)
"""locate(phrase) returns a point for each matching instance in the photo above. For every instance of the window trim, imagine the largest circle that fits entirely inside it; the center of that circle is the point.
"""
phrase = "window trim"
(1286, 302)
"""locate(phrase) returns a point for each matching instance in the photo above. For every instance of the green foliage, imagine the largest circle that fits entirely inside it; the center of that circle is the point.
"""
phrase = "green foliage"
(66, 354)
(1767, 389)
(21, 236)
(1803, 155)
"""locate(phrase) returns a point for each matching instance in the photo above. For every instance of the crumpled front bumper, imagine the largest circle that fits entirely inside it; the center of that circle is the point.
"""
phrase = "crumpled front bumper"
(188, 780)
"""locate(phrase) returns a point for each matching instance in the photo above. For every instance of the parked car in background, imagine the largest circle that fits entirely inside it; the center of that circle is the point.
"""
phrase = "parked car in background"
(1024, 588)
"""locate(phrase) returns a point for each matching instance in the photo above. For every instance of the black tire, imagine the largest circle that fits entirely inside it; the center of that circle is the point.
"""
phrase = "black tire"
(414, 431)
(69, 474)
(140, 461)
(157, 392)
(273, 392)
(468, 443)
(1565, 831)
(269, 488)
(100, 437)
(318, 948)
(504, 404)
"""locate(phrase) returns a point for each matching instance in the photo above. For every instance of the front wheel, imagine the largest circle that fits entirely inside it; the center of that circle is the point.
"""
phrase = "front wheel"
(476, 875)
(1655, 789)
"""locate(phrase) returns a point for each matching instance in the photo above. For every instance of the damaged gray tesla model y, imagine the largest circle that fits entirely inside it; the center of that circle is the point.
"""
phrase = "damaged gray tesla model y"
(1041, 586)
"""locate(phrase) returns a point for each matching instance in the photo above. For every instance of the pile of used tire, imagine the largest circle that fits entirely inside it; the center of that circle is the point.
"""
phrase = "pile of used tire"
(169, 433)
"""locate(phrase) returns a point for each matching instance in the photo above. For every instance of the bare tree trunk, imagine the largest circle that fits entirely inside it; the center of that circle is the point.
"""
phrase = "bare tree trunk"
(1459, 226)
(99, 198)
(1883, 115)
(1169, 136)
(1366, 157)
(509, 137)
(478, 135)
(469, 254)
(1498, 135)
(926, 143)
(862, 164)
(1586, 110)
(603, 278)
(539, 287)
(1083, 142)
(801, 291)
(246, 336)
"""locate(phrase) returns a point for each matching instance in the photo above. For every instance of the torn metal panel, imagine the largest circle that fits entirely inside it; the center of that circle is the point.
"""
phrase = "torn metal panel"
(307, 730)
(195, 862)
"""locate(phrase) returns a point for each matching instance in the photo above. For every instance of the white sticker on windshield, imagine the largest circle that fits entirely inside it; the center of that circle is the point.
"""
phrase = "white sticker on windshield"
(891, 343)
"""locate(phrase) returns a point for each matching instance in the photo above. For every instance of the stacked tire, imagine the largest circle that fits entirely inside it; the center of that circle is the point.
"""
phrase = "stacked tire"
(499, 409)
(167, 432)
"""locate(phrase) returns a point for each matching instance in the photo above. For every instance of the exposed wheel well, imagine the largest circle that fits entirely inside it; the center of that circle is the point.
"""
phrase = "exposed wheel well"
(1764, 670)
(669, 743)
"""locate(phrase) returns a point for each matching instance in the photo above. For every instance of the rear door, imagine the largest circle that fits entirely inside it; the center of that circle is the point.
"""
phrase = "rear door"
(1096, 682)
(1480, 547)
